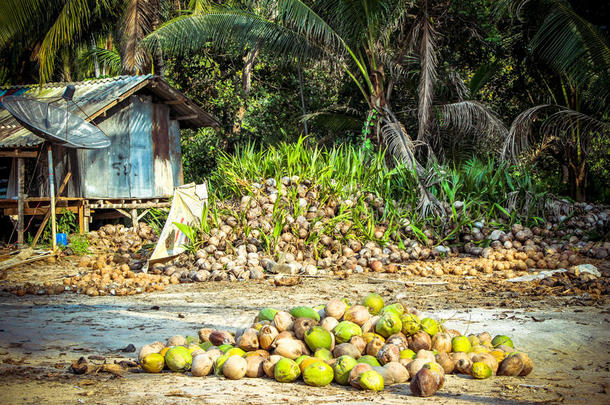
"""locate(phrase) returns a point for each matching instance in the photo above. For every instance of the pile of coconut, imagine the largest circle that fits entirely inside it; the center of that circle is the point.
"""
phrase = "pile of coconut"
(299, 227)
(369, 346)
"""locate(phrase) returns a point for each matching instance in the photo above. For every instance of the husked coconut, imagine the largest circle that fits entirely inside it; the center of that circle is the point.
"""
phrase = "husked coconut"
(283, 321)
(155, 347)
(248, 341)
(201, 365)
(335, 308)
(266, 336)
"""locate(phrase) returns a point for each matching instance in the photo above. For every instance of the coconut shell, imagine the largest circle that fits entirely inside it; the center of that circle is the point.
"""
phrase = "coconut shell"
(484, 337)
(346, 349)
(441, 342)
(266, 336)
(177, 340)
(202, 365)
(329, 323)
(335, 308)
(290, 348)
(281, 336)
(511, 366)
(445, 362)
(405, 362)
(269, 365)
(283, 321)
(213, 354)
(358, 342)
(398, 339)
(155, 347)
(248, 341)
(234, 368)
(425, 354)
(388, 353)
(487, 359)
(355, 373)
(254, 366)
(218, 338)
(302, 325)
(373, 347)
(420, 341)
(398, 372)
(438, 372)
(528, 364)
(463, 365)
(424, 383)
(414, 366)
(358, 314)
(369, 325)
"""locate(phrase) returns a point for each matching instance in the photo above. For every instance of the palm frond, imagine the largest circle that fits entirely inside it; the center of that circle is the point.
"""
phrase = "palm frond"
(428, 62)
(225, 27)
(72, 19)
(573, 46)
(137, 23)
(336, 119)
(558, 122)
(110, 58)
(472, 118)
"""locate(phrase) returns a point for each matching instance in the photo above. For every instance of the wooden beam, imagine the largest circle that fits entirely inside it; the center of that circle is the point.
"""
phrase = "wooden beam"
(187, 117)
(173, 102)
(48, 211)
(20, 202)
(39, 211)
(19, 153)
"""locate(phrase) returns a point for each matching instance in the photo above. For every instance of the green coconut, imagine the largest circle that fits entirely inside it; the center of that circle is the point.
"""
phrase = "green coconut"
(373, 302)
(345, 330)
(371, 380)
(342, 367)
(286, 370)
(323, 353)
(206, 345)
(430, 326)
(305, 312)
(317, 337)
(267, 314)
(220, 361)
(178, 358)
(370, 360)
(318, 374)
(397, 308)
(407, 354)
(388, 324)
(461, 344)
(410, 324)
(502, 340)
(225, 348)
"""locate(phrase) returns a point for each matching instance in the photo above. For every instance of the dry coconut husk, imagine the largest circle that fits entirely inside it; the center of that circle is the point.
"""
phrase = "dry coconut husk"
(424, 383)
(201, 365)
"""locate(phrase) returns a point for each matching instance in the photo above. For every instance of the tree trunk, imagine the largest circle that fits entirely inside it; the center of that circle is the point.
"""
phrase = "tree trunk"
(246, 86)
(578, 178)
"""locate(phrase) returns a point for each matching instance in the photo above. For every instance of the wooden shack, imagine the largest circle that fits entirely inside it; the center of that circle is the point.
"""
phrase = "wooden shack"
(142, 116)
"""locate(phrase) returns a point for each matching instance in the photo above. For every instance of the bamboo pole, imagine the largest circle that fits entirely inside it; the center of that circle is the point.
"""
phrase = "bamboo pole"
(20, 201)
(52, 198)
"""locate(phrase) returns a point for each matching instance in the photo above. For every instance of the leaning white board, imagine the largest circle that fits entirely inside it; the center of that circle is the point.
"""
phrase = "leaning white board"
(187, 207)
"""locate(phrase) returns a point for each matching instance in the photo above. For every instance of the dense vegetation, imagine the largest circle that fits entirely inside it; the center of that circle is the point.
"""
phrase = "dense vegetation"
(452, 84)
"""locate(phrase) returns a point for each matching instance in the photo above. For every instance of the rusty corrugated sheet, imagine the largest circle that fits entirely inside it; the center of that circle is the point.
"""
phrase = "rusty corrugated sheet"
(164, 181)
(91, 96)
(141, 124)
(175, 152)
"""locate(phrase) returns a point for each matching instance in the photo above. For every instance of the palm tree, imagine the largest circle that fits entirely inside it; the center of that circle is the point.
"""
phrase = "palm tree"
(55, 30)
(368, 40)
(578, 107)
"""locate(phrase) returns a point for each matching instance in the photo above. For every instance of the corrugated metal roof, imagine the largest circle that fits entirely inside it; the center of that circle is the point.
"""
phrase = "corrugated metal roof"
(92, 97)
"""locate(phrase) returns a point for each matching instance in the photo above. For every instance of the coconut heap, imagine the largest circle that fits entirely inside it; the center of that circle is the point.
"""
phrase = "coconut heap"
(297, 226)
(369, 346)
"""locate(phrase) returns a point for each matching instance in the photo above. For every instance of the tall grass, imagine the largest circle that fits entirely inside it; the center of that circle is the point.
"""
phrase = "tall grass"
(488, 190)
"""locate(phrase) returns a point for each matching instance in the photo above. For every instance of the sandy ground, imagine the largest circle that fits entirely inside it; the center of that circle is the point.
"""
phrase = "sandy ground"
(567, 337)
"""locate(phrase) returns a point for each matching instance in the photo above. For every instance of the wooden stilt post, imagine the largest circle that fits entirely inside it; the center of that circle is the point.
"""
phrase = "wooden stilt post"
(20, 201)
(52, 198)
(134, 217)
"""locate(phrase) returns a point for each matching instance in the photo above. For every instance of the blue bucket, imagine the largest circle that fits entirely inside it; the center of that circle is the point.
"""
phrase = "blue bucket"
(61, 239)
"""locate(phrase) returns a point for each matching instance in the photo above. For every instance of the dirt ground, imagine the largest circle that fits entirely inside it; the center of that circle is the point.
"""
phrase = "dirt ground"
(568, 339)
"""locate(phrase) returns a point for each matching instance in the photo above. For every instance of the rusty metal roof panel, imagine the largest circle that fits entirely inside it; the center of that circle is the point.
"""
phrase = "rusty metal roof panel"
(90, 97)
